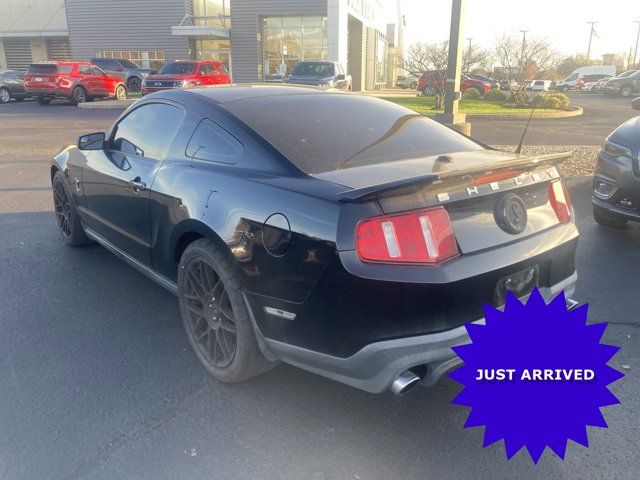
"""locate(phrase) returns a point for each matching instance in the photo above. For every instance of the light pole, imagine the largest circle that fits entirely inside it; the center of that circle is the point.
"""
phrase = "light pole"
(635, 52)
(590, 37)
(454, 71)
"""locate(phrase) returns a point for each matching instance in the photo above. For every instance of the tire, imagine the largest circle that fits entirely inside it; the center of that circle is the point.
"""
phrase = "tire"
(214, 314)
(120, 93)
(90, 99)
(78, 95)
(134, 84)
(626, 91)
(43, 101)
(66, 215)
(5, 95)
(606, 219)
(429, 91)
(414, 85)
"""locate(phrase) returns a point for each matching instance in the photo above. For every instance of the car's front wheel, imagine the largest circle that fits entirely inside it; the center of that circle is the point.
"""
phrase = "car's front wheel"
(215, 316)
(414, 85)
(606, 219)
(66, 214)
(120, 93)
(626, 91)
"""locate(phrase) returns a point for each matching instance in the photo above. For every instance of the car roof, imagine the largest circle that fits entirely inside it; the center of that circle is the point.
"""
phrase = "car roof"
(62, 62)
(230, 93)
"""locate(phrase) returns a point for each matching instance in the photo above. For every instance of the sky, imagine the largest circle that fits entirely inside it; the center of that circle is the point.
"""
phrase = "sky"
(562, 22)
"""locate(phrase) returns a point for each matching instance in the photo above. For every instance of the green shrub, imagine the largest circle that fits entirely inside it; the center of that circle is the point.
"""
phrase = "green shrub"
(559, 98)
(471, 94)
(495, 95)
(555, 101)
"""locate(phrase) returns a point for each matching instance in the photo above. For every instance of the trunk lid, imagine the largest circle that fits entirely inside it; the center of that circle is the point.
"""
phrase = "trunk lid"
(471, 185)
(42, 76)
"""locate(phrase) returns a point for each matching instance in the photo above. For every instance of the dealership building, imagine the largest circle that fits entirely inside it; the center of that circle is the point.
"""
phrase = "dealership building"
(259, 40)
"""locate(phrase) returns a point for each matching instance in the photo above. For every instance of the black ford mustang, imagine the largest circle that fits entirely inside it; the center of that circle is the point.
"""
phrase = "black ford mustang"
(337, 232)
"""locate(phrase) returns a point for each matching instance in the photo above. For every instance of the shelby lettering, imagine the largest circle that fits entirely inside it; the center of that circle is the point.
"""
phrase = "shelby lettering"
(535, 374)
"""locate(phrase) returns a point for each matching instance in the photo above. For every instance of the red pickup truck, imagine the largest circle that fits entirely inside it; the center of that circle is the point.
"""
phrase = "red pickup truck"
(77, 82)
(185, 74)
(431, 82)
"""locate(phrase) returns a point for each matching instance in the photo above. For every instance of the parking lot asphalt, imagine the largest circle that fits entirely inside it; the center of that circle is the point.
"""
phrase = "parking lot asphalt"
(601, 115)
(97, 380)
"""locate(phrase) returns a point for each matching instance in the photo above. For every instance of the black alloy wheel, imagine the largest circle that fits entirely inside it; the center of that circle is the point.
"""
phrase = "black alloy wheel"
(133, 85)
(214, 313)
(63, 209)
(210, 315)
(66, 215)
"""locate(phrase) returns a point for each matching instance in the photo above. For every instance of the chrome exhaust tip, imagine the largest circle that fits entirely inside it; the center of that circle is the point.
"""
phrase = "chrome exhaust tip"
(404, 382)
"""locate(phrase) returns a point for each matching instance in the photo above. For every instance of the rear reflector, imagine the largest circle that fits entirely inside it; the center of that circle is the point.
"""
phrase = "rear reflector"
(560, 200)
(422, 236)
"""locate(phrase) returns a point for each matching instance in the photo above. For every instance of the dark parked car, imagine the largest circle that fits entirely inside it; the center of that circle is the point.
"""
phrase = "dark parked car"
(12, 86)
(340, 233)
(616, 184)
(129, 72)
(77, 82)
(624, 86)
(320, 74)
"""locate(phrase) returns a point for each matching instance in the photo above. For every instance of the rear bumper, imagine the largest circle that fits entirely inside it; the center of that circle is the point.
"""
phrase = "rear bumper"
(377, 365)
(48, 93)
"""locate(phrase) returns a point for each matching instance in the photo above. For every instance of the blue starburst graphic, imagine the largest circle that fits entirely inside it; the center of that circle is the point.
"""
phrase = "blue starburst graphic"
(525, 407)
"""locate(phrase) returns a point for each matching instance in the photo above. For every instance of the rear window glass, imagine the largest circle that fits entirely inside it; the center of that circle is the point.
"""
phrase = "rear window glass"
(179, 68)
(314, 69)
(324, 132)
(45, 68)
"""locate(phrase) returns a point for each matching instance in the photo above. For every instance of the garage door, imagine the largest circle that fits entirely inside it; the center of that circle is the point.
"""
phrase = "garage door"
(58, 49)
(17, 51)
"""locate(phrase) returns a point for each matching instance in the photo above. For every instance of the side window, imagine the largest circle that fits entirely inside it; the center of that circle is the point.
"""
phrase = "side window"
(207, 69)
(84, 70)
(212, 142)
(148, 131)
(96, 71)
(65, 68)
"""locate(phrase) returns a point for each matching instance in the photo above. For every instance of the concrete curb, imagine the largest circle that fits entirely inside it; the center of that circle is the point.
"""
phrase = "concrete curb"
(574, 112)
(109, 104)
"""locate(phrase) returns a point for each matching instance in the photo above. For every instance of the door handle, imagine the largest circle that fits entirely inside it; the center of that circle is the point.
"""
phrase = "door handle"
(137, 184)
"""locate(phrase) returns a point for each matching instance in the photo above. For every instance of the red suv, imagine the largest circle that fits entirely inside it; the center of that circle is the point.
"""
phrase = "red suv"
(431, 82)
(185, 74)
(78, 82)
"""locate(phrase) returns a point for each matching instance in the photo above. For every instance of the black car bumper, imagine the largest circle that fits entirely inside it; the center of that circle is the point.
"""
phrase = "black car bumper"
(616, 186)
(374, 367)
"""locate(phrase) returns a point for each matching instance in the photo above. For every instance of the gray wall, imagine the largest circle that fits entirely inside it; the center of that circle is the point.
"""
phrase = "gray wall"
(246, 52)
(139, 25)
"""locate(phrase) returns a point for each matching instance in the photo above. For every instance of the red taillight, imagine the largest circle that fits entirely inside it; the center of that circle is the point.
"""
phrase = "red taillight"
(560, 200)
(423, 236)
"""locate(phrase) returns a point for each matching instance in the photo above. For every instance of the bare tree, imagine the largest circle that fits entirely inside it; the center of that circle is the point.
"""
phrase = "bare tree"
(423, 57)
(524, 61)
(476, 58)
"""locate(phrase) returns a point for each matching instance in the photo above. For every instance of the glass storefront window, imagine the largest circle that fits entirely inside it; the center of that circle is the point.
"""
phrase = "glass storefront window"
(144, 59)
(218, 50)
(211, 9)
(289, 40)
(381, 60)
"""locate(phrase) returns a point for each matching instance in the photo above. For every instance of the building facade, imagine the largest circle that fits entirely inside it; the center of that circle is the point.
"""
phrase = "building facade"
(259, 40)
(32, 31)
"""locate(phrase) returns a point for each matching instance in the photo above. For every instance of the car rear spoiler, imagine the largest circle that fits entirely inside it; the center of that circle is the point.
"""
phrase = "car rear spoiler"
(520, 162)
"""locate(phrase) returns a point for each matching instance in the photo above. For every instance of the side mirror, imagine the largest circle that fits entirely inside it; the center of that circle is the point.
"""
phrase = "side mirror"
(636, 104)
(340, 77)
(91, 141)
